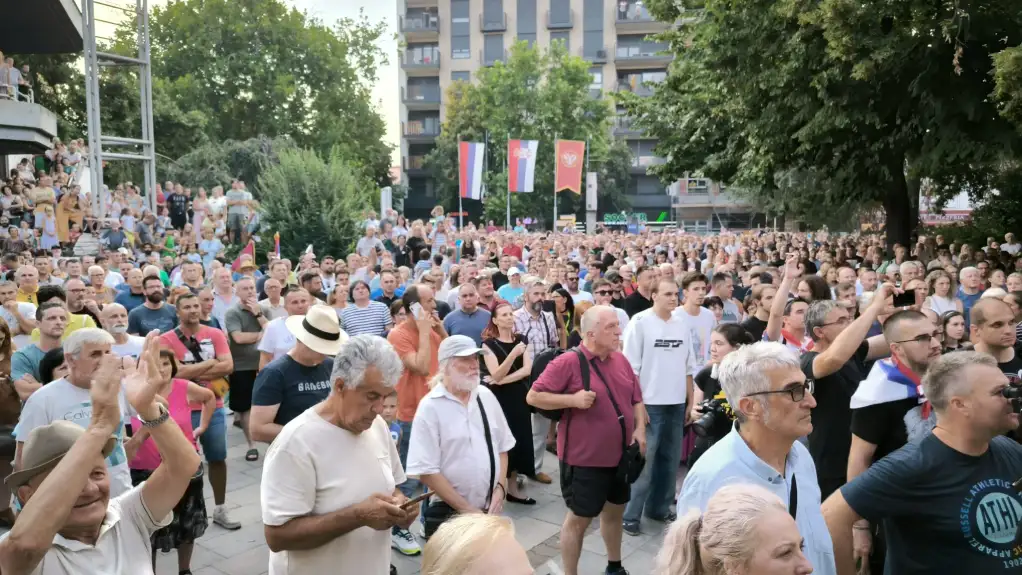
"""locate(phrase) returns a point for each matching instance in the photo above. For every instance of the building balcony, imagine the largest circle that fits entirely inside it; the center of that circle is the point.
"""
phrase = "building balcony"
(421, 65)
(419, 133)
(640, 90)
(624, 128)
(491, 59)
(422, 99)
(415, 166)
(707, 198)
(641, 164)
(25, 128)
(636, 19)
(493, 22)
(560, 21)
(638, 57)
(422, 3)
(420, 29)
(41, 27)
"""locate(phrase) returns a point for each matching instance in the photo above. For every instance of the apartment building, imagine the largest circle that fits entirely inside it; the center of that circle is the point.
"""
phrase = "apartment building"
(449, 40)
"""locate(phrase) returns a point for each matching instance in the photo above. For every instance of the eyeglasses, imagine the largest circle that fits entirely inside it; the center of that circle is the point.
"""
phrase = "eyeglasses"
(922, 338)
(604, 292)
(797, 391)
(843, 321)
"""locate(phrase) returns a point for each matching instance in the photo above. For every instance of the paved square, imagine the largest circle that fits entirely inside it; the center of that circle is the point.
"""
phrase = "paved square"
(244, 552)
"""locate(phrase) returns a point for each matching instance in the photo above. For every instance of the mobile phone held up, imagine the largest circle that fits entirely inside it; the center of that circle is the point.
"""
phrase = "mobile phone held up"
(417, 310)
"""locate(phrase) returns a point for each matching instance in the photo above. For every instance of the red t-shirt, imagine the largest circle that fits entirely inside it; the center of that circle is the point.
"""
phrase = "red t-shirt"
(595, 435)
(212, 344)
(513, 250)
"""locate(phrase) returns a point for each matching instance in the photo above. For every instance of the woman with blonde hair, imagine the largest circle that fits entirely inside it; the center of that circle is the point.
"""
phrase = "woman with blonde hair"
(475, 544)
(745, 530)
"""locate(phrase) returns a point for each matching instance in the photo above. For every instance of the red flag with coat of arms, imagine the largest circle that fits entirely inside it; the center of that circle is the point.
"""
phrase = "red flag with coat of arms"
(570, 161)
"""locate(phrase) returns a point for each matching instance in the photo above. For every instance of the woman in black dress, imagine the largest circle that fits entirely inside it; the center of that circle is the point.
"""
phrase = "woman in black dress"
(507, 364)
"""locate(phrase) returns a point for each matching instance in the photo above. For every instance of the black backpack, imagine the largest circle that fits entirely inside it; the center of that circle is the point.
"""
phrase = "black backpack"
(540, 362)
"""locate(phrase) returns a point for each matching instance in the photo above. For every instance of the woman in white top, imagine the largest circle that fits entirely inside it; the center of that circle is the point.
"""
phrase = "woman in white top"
(941, 298)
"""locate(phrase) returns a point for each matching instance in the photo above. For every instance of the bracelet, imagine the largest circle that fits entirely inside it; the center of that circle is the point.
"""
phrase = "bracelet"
(860, 528)
(502, 488)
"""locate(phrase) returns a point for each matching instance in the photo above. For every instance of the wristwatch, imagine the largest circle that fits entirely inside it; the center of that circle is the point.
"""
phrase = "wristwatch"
(164, 416)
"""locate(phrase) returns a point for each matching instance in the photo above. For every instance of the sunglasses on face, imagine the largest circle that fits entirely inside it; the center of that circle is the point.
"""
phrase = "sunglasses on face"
(604, 292)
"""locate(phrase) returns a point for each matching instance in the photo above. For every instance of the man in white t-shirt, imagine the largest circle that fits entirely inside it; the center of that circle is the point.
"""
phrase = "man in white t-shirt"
(20, 316)
(701, 320)
(658, 345)
(114, 318)
(304, 481)
(277, 339)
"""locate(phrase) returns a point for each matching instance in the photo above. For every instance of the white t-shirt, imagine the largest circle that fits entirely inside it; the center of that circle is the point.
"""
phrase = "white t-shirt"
(702, 325)
(26, 310)
(60, 399)
(277, 338)
(658, 351)
(123, 546)
(130, 348)
(581, 296)
(315, 468)
(113, 279)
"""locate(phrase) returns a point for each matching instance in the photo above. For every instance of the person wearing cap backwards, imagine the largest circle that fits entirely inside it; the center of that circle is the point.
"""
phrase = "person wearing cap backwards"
(328, 493)
(467, 470)
(299, 378)
(68, 523)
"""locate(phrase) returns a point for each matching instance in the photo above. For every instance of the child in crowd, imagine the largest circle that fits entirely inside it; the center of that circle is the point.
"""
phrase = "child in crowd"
(390, 416)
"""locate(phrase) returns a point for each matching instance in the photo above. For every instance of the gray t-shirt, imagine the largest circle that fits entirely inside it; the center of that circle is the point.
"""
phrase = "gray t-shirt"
(235, 195)
(460, 323)
(366, 245)
(246, 355)
(143, 320)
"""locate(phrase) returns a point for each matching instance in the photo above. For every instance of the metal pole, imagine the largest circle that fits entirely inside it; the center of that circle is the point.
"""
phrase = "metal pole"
(507, 175)
(92, 110)
(554, 225)
(146, 81)
(459, 185)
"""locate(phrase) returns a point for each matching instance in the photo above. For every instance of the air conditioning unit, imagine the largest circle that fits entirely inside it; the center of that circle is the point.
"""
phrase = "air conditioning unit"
(601, 54)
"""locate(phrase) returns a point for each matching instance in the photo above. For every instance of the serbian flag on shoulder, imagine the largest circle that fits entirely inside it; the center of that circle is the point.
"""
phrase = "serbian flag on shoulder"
(888, 381)
(470, 169)
(521, 165)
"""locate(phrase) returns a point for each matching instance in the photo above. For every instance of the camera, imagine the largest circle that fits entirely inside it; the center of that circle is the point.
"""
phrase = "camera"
(1013, 393)
(716, 418)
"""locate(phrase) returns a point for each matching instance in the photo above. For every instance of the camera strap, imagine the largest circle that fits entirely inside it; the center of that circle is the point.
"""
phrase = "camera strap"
(793, 497)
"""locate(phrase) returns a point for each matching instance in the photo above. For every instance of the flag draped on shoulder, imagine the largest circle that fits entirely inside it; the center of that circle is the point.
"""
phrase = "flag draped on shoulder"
(521, 165)
(888, 381)
(470, 169)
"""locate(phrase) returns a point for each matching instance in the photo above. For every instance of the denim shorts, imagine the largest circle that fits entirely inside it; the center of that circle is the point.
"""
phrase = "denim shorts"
(214, 440)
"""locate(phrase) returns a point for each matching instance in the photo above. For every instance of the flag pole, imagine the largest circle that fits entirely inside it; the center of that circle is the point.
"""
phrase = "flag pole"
(507, 175)
(554, 225)
(459, 187)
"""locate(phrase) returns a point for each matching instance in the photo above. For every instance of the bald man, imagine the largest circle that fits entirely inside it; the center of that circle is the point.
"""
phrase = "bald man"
(114, 319)
(27, 278)
(992, 330)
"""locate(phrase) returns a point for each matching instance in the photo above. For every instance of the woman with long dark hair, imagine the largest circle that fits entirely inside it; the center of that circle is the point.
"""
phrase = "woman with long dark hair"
(506, 367)
(953, 323)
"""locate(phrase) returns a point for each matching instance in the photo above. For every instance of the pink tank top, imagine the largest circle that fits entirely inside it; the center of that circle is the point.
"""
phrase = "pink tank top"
(148, 457)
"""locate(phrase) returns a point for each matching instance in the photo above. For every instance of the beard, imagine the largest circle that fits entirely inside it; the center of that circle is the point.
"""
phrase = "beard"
(537, 306)
(155, 297)
(464, 383)
(118, 329)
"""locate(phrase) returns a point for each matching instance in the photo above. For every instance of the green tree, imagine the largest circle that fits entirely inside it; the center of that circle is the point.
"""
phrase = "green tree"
(871, 96)
(535, 95)
(212, 164)
(312, 200)
(59, 86)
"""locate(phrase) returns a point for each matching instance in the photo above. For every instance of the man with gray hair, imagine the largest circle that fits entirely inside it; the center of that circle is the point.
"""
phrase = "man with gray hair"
(328, 514)
(466, 470)
(68, 399)
(970, 289)
(946, 501)
(773, 401)
(114, 319)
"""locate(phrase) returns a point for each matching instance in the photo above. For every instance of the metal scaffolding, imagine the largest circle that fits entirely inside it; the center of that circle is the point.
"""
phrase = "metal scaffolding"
(94, 61)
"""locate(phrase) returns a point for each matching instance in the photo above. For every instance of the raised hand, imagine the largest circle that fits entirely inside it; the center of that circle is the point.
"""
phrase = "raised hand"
(105, 393)
(142, 383)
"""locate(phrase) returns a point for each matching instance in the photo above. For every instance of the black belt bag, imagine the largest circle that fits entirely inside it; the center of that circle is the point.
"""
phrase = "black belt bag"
(632, 461)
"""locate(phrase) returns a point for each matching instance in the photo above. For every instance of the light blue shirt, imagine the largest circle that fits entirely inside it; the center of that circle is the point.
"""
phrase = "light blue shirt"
(730, 461)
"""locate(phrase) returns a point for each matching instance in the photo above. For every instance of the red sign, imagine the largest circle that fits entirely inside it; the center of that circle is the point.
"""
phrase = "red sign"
(570, 161)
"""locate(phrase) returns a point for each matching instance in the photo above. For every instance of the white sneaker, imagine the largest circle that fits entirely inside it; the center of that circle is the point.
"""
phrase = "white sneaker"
(404, 542)
(221, 518)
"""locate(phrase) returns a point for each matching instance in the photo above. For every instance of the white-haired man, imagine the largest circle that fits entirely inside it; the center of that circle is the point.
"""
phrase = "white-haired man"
(946, 502)
(460, 438)
(329, 514)
(114, 318)
(69, 523)
(970, 289)
(772, 402)
(603, 419)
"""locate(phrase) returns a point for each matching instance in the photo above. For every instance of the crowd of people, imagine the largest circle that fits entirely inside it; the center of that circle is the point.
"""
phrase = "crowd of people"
(838, 407)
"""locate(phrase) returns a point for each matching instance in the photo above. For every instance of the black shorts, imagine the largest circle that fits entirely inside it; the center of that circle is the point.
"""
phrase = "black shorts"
(241, 390)
(587, 489)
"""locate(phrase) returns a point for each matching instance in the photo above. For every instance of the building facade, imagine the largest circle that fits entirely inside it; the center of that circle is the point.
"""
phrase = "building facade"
(450, 40)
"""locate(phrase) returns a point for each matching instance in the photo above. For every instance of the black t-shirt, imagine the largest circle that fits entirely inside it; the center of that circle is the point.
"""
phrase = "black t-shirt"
(499, 280)
(402, 256)
(755, 326)
(388, 300)
(883, 425)
(178, 204)
(1013, 369)
(292, 386)
(705, 381)
(832, 417)
(944, 512)
(636, 303)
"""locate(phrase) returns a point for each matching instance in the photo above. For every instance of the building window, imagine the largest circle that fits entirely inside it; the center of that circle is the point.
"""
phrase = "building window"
(461, 30)
(597, 74)
(461, 76)
(592, 29)
(563, 37)
(493, 45)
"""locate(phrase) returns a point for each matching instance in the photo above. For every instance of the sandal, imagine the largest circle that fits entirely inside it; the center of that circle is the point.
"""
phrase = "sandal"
(252, 455)
(520, 500)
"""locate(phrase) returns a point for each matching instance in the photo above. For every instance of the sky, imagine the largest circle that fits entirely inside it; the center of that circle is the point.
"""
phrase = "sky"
(385, 92)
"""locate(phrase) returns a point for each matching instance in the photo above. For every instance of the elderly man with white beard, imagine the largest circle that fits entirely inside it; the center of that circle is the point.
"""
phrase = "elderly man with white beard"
(467, 472)
(114, 318)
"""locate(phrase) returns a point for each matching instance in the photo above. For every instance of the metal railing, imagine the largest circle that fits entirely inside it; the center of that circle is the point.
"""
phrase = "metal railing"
(640, 52)
(17, 93)
(640, 90)
(419, 129)
(415, 163)
(431, 60)
(420, 24)
(634, 12)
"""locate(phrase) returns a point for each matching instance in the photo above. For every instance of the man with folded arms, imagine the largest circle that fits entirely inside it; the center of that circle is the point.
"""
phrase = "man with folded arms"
(69, 524)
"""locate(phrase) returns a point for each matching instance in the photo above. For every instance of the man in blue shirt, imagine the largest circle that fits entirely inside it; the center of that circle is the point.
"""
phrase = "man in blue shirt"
(469, 319)
(133, 296)
(772, 401)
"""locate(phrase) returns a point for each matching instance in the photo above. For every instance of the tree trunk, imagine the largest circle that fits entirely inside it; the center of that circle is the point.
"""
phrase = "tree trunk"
(901, 219)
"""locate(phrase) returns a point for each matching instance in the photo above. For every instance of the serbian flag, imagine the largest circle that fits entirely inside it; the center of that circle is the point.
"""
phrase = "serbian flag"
(250, 250)
(521, 165)
(888, 381)
(470, 169)
(570, 159)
